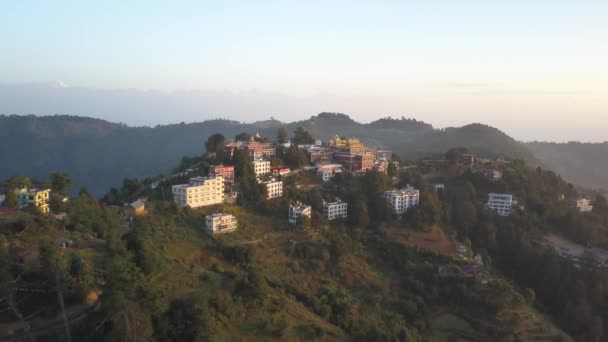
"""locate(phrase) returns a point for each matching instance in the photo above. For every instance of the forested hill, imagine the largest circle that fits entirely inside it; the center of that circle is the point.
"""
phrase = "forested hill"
(99, 154)
(581, 163)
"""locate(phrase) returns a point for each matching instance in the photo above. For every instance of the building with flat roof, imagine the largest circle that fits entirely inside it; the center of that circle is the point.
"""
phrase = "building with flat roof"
(403, 199)
(335, 210)
(199, 192)
(274, 188)
(501, 203)
(582, 204)
(221, 223)
(226, 171)
(261, 167)
(297, 211)
(328, 171)
(354, 162)
(38, 198)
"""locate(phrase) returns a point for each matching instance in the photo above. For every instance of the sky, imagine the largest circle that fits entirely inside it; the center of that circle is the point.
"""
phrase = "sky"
(536, 69)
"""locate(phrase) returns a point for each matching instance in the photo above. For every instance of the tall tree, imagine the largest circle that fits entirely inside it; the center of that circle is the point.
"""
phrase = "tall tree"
(11, 200)
(302, 137)
(60, 182)
(215, 144)
(282, 135)
(295, 157)
(243, 136)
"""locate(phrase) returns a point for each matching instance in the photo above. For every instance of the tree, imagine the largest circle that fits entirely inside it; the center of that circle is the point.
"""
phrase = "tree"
(11, 200)
(282, 135)
(295, 157)
(60, 182)
(215, 144)
(302, 137)
(243, 136)
(454, 153)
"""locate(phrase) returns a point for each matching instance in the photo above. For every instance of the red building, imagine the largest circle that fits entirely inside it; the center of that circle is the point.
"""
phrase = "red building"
(226, 171)
(280, 171)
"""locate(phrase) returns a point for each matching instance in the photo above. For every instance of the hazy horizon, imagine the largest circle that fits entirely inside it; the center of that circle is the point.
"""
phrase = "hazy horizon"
(536, 71)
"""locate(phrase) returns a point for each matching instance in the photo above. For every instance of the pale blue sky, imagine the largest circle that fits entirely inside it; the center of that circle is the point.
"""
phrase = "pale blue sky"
(446, 62)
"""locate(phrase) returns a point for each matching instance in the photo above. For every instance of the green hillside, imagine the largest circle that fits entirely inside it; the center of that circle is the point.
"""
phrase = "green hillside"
(371, 277)
(99, 154)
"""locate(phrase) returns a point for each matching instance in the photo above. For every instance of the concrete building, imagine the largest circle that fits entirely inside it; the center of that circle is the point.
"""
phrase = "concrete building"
(297, 211)
(261, 167)
(335, 210)
(274, 188)
(354, 162)
(226, 171)
(328, 171)
(38, 198)
(199, 192)
(403, 199)
(501, 203)
(221, 223)
(319, 155)
(438, 186)
(582, 204)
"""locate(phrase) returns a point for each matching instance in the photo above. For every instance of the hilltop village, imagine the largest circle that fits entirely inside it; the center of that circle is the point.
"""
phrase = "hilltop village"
(297, 238)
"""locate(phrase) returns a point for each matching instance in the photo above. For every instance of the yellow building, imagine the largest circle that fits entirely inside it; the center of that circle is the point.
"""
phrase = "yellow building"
(36, 197)
(350, 145)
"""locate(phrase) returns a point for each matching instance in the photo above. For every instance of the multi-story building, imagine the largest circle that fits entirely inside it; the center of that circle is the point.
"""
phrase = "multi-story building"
(328, 171)
(297, 211)
(403, 199)
(492, 174)
(38, 198)
(274, 188)
(258, 149)
(226, 171)
(383, 155)
(335, 210)
(221, 223)
(501, 203)
(581, 203)
(319, 155)
(354, 162)
(261, 167)
(199, 192)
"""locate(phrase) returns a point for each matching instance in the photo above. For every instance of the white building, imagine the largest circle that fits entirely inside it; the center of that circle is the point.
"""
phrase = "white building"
(221, 223)
(327, 171)
(274, 189)
(261, 167)
(297, 211)
(582, 204)
(335, 210)
(501, 203)
(403, 199)
(199, 192)
(438, 186)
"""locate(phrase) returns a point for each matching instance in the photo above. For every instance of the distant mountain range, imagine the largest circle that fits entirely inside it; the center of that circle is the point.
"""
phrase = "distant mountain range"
(99, 154)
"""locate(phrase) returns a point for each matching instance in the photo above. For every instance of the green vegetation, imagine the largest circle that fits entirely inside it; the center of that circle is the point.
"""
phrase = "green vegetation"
(371, 277)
